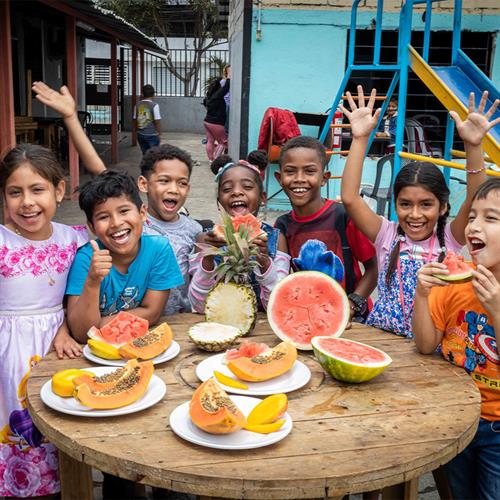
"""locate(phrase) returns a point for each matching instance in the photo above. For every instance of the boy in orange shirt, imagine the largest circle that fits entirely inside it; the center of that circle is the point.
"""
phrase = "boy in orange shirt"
(463, 318)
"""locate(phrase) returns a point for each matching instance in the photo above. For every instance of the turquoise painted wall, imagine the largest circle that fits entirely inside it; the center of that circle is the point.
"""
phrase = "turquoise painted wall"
(300, 60)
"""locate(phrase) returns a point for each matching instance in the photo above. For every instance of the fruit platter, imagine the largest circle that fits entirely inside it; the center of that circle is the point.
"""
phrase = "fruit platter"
(104, 391)
(128, 336)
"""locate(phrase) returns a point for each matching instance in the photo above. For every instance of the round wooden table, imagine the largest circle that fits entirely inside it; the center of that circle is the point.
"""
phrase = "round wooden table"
(346, 438)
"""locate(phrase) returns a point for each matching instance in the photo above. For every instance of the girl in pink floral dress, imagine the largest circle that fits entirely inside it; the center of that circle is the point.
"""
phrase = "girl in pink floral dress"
(35, 257)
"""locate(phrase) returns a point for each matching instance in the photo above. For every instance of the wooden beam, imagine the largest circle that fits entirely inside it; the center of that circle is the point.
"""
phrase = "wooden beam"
(71, 78)
(141, 70)
(76, 479)
(134, 91)
(7, 127)
(114, 104)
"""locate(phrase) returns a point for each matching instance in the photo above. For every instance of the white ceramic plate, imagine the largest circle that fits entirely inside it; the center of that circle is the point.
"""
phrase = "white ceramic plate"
(181, 424)
(170, 353)
(298, 376)
(155, 392)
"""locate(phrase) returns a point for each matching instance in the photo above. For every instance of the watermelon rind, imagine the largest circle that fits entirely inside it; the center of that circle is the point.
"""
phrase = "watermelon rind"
(346, 370)
(455, 278)
(289, 336)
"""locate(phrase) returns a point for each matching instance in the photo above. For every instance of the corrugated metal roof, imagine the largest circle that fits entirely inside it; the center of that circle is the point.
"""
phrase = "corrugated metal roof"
(119, 25)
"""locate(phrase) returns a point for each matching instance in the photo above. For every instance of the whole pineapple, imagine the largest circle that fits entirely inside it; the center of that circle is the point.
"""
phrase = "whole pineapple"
(232, 300)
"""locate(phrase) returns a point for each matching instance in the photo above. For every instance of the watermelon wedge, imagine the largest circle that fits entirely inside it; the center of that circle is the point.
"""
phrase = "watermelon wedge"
(123, 328)
(348, 360)
(459, 270)
(307, 304)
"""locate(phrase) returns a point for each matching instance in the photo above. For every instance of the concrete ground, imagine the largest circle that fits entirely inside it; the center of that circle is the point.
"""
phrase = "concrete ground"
(201, 205)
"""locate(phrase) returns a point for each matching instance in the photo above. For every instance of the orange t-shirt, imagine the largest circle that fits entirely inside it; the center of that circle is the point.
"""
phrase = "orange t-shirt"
(469, 340)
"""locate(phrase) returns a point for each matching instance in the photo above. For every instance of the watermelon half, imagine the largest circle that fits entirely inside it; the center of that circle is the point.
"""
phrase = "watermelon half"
(305, 305)
(123, 328)
(348, 360)
(459, 270)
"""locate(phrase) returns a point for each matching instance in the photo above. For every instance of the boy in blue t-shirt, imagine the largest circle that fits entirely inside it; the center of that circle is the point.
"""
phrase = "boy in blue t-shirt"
(123, 270)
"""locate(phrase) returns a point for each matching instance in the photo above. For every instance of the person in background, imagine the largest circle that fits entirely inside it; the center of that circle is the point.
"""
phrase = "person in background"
(216, 118)
(387, 127)
(147, 120)
(227, 98)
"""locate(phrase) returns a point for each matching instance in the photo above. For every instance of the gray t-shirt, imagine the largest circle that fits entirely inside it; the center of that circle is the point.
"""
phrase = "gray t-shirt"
(145, 113)
(182, 237)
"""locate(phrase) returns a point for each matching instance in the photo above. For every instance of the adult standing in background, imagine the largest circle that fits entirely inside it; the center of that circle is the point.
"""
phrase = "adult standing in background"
(216, 118)
(227, 98)
(147, 120)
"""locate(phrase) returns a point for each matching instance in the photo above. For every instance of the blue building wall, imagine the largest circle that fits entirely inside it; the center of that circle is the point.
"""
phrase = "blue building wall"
(300, 60)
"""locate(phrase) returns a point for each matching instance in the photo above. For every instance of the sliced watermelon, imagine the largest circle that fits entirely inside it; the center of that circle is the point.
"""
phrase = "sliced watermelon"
(246, 350)
(459, 270)
(123, 328)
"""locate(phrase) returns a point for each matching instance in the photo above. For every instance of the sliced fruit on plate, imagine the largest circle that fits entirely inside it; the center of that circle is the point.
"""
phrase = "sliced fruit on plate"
(268, 410)
(349, 361)
(265, 428)
(265, 366)
(459, 270)
(230, 382)
(62, 381)
(307, 304)
(126, 390)
(102, 349)
(246, 350)
(212, 336)
(213, 411)
(123, 328)
(109, 379)
(148, 346)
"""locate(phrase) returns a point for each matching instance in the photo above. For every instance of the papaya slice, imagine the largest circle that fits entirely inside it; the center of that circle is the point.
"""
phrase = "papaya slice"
(266, 365)
(148, 346)
(212, 410)
(109, 379)
(128, 389)
(62, 381)
(268, 410)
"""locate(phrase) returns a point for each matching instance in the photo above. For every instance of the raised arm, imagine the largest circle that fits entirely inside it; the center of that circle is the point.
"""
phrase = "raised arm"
(472, 132)
(65, 105)
(363, 121)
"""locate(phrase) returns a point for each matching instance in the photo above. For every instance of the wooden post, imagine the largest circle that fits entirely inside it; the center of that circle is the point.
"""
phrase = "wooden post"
(114, 103)
(76, 479)
(7, 126)
(134, 91)
(71, 78)
(141, 70)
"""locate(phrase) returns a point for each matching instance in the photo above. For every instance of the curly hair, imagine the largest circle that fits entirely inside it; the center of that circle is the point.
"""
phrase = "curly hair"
(164, 152)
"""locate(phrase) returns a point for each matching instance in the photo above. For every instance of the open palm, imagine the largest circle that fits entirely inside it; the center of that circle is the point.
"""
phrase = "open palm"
(473, 129)
(362, 118)
(62, 101)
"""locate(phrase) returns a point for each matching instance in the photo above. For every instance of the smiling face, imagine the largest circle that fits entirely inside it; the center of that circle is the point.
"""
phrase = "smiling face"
(117, 222)
(31, 202)
(239, 191)
(301, 176)
(392, 107)
(418, 211)
(483, 232)
(167, 188)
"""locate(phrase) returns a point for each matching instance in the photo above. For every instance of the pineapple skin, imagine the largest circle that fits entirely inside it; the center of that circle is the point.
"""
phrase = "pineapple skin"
(219, 313)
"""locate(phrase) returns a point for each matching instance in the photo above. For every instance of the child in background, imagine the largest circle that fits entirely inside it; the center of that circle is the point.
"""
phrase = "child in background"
(35, 257)
(302, 173)
(387, 126)
(147, 120)
(463, 319)
(123, 270)
(421, 197)
(240, 192)
(165, 174)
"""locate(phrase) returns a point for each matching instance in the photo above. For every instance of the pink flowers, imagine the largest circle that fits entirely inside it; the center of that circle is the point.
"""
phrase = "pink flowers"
(36, 259)
(28, 473)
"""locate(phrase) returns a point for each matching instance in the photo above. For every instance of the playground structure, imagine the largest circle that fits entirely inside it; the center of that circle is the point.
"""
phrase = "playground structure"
(451, 84)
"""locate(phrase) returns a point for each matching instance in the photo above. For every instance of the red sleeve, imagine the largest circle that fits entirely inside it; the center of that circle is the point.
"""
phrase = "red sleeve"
(362, 247)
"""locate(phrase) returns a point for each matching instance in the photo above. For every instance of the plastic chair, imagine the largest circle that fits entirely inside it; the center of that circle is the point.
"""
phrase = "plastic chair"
(383, 195)
(417, 140)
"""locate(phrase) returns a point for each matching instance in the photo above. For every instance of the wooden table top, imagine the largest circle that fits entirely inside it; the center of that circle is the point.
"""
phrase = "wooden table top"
(346, 438)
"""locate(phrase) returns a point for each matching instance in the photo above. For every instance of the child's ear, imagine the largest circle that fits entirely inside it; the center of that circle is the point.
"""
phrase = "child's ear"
(326, 176)
(142, 182)
(143, 212)
(60, 190)
(277, 176)
(91, 227)
(263, 198)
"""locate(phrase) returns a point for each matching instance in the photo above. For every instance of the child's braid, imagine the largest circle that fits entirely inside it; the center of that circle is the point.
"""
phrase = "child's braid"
(394, 256)
(441, 224)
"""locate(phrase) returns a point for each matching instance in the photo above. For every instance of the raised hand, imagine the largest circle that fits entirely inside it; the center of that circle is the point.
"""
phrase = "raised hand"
(61, 101)
(363, 119)
(426, 278)
(473, 129)
(100, 265)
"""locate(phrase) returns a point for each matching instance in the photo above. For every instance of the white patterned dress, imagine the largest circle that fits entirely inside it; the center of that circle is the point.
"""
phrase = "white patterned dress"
(32, 283)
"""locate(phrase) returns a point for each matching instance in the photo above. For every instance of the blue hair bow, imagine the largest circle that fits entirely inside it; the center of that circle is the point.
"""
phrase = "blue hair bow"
(314, 256)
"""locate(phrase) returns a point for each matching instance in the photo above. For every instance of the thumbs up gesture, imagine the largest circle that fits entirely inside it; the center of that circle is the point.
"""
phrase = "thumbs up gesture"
(100, 264)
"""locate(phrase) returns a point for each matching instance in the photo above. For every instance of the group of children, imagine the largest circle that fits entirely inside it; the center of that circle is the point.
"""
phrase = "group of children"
(144, 260)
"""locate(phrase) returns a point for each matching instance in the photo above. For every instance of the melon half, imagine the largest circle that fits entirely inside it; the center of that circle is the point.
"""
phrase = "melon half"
(348, 360)
(305, 305)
